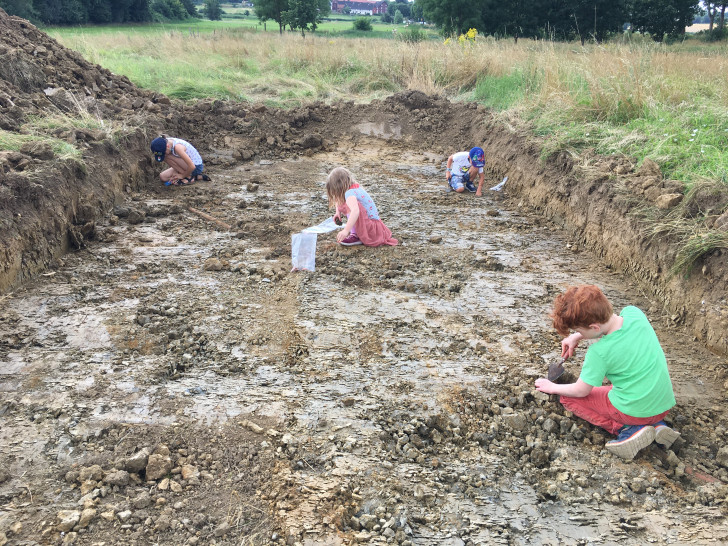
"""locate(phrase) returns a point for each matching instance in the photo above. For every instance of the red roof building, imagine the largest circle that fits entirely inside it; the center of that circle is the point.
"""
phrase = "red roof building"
(363, 7)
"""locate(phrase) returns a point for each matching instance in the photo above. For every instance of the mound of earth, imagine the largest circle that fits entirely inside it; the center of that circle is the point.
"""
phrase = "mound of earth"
(171, 381)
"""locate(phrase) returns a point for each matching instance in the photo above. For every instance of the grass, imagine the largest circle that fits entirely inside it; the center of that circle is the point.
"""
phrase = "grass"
(11, 141)
(693, 239)
(50, 128)
(631, 96)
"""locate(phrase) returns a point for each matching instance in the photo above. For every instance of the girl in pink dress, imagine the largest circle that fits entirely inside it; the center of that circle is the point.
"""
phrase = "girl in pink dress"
(363, 226)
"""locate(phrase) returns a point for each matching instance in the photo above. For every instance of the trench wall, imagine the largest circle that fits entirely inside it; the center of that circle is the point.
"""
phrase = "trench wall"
(597, 211)
(61, 204)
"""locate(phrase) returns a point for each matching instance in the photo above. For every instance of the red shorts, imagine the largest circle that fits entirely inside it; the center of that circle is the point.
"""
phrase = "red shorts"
(598, 410)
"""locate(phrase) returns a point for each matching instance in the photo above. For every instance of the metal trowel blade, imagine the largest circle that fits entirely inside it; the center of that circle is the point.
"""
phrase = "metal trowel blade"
(556, 369)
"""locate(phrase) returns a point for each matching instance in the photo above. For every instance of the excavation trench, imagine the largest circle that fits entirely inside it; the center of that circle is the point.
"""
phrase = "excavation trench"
(387, 396)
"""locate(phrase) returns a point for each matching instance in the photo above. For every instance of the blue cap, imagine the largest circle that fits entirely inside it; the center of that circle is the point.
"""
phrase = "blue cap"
(477, 157)
(159, 147)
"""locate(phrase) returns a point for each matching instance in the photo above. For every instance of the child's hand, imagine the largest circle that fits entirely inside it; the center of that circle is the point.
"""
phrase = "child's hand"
(568, 344)
(337, 219)
(343, 234)
(544, 385)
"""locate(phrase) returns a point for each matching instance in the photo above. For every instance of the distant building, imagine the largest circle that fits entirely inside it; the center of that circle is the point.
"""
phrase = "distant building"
(363, 7)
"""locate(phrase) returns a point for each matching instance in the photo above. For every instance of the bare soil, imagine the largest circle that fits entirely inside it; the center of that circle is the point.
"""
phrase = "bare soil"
(171, 381)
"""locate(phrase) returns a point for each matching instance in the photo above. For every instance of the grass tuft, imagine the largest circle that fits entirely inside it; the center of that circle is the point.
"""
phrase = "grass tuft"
(14, 142)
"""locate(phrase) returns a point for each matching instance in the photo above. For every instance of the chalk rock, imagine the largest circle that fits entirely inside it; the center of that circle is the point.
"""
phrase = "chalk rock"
(158, 466)
(141, 501)
(668, 200)
(119, 477)
(189, 471)
(87, 517)
(722, 457)
(212, 264)
(67, 520)
(137, 462)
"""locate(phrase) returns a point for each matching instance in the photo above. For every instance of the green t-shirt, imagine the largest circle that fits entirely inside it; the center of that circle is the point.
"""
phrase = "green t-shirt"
(633, 361)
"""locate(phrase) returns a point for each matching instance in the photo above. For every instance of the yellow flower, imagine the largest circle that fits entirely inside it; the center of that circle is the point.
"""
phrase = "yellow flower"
(447, 41)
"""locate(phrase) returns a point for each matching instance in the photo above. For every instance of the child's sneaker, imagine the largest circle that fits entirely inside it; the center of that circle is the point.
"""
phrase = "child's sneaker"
(664, 435)
(351, 240)
(630, 440)
(470, 187)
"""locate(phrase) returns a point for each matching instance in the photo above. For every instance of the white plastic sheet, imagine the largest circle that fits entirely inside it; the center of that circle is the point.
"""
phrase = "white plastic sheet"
(303, 251)
(499, 186)
(324, 227)
(303, 245)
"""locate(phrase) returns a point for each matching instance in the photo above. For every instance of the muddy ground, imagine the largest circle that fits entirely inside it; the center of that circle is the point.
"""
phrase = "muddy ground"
(176, 383)
(171, 381)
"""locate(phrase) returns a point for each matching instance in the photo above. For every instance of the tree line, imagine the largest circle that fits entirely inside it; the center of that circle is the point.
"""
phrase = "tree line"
(542, 19)
(79, 12)
(568, 19)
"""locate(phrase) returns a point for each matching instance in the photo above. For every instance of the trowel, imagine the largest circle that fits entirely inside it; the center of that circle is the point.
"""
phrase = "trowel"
(556, 369)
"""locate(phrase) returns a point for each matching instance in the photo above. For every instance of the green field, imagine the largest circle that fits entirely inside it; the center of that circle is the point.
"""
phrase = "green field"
(235, 20)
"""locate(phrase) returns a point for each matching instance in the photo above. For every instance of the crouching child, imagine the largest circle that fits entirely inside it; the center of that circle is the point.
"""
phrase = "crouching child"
(629, 355)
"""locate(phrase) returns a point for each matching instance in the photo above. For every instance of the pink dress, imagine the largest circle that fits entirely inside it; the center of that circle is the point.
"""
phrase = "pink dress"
(369, 228)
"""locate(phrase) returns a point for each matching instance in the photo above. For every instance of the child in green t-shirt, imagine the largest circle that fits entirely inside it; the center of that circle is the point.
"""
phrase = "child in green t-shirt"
(629, 356)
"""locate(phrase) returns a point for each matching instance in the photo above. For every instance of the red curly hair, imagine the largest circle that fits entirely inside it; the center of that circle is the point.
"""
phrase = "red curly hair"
(580, 306)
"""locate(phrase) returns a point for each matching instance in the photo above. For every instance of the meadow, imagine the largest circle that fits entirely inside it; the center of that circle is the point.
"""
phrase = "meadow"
(631, 96)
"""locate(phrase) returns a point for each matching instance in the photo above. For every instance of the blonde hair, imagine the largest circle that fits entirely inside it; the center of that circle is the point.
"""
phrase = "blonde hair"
(338, 181)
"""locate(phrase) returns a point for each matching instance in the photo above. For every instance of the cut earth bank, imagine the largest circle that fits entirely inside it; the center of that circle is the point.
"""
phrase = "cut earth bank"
(171, 381)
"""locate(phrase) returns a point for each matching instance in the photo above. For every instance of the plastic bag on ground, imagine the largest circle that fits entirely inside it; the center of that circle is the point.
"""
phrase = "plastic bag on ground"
(303, 251)
(324, 227)
(499, 186)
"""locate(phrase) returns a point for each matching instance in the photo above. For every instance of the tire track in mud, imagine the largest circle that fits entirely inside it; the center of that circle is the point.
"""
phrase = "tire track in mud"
(385, 398)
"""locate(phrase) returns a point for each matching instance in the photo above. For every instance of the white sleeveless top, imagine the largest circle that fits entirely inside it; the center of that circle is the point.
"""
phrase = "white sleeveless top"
(189, 148)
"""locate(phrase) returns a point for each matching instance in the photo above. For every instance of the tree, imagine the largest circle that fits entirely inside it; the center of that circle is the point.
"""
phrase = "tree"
(99, 11)
(398, 17)
(271, 9)
(453, 16)
(404, 7)
(363, 23)
(306, 15)
(416, 13)
(516, 18)
(213, 10)
(346, 10)
(168, 10)
(190, 7)
(590, 19)
(61, 12)
(21, 8)
(662, 18)
(75, 12)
